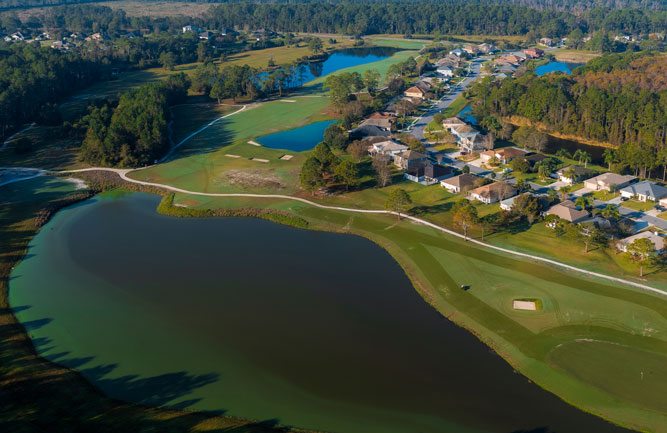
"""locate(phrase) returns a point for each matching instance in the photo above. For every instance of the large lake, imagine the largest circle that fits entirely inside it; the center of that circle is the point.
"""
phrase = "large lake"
(250, 318)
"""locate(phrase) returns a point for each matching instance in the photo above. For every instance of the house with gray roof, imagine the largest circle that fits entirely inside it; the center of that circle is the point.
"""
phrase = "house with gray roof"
(657, 240)
(644, 191)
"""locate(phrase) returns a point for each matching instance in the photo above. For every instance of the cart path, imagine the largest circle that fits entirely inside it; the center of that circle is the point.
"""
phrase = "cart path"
(199, 131)
(124, 172)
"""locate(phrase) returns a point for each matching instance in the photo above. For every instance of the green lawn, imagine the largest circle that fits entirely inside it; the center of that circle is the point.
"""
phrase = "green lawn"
(202, 164)
(605, 195)
(641, 206)
(189, 118)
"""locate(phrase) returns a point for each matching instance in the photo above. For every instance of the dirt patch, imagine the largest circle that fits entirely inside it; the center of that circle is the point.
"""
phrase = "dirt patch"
(253, 179)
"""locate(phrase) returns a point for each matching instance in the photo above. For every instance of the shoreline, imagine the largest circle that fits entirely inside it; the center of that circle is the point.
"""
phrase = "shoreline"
(510, 353)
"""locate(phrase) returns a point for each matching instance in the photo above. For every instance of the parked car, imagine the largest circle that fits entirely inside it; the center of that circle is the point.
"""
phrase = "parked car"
(624, 199)
(660, 208)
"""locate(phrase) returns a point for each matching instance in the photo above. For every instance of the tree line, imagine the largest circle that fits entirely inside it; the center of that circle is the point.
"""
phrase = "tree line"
(610, 100)
(33, 78)
(135, 132)
(458, 17)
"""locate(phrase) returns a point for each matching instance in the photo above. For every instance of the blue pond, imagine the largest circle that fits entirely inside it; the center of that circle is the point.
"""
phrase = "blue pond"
(553, 67)
(466, 114)
(297, 140)
(339, 60)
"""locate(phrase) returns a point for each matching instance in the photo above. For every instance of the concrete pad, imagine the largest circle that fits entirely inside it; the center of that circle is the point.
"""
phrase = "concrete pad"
(259, 160)
(286, 157)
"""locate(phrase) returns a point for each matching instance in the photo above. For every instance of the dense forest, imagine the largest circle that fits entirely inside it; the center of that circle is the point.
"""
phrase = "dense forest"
(568, 5)
(618, 98)
(135, 132)
(359, 18)
(33, 78)
(428, 18)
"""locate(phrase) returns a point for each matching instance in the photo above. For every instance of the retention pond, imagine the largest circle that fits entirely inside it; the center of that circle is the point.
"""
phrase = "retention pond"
(254, 319)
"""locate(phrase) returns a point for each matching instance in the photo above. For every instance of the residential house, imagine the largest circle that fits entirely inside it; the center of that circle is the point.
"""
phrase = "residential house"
(533, 53)
(450, 60)
(568, 211)
(383, 115)
(458, 183)
(415, 92)
(572, 174)
(508, 203)
(97, 37)
(504, 155)
(506, 69)
(457, 52)
(368, 131)
(429, 174)
(476, 142)
(452, 122)
(606, 180)
(190, 28)
(493, 192)
(547, 42)
(226, 31)
(60, 45)
(471, 49)
(379, 122)
(644, 191)
(409, 160)
(18, 36)
(657, 240)
(486, 48)
(205, 35)
(445, 71)
(387, 148)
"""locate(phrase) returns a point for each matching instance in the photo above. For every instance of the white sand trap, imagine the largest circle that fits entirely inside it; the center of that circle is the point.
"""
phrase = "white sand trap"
(286, 157)
(229, 155)
(287, 100)
(254, 143)
(78, 183)
(524, 305)
(259, 160)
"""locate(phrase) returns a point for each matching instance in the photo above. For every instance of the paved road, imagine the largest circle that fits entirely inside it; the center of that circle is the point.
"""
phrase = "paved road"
(445, 101)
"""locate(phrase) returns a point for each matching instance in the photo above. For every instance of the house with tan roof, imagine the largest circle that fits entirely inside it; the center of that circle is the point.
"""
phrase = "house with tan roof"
(415, 92)
(387, 148)
(458, 183)
(605, 181)
(657, 240)
(568, 211)
(409, 160)
(503, 155)
(452, 122)
(380, 123)
(493, 192)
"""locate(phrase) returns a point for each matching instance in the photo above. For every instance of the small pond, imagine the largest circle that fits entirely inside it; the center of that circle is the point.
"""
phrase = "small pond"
(246, 317)
(298, 139)
(466, 115)
(553, 67)
(339, 60)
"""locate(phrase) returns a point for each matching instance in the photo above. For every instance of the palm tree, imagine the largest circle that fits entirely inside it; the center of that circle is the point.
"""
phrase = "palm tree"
(609, 157)
(577, 155)
(583, 202)
(585, 157)
(564, 191)
(610, 211)
(563, 153)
